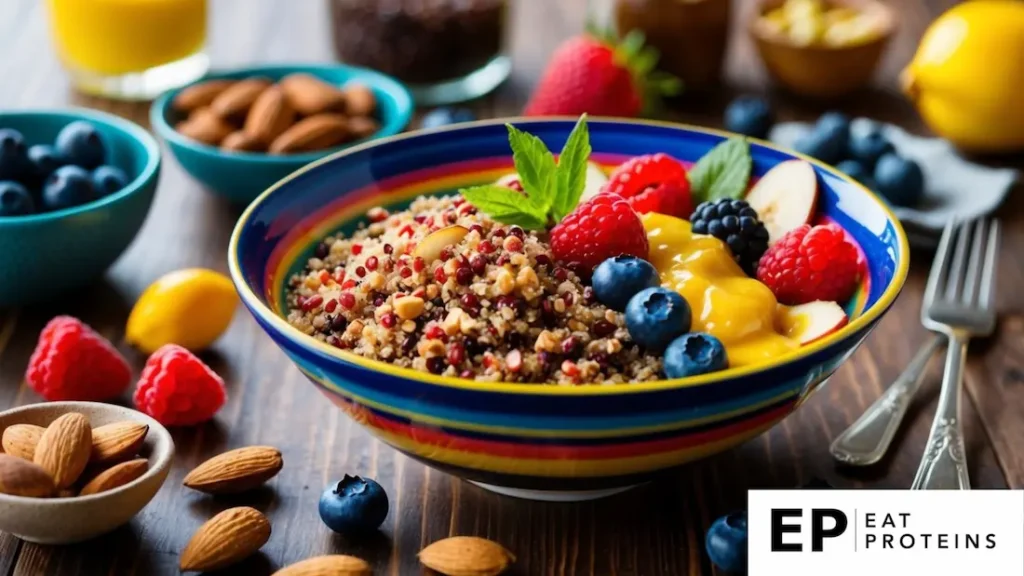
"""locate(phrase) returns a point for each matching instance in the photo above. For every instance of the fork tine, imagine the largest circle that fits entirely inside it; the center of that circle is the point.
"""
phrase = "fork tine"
(974, 263)
(957, 268)
(939, 264)
(989, 273)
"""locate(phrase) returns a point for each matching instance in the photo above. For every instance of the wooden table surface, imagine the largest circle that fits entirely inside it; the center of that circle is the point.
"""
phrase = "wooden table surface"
(654, 530)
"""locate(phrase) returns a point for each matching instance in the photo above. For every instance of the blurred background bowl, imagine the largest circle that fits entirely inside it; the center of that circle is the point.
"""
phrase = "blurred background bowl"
(47, 254)
(69, 520)
(818, 70)
(241, 176)
(538, 441)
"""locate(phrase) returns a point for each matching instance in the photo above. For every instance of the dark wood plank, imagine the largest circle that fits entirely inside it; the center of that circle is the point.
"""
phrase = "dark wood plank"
(656, 529)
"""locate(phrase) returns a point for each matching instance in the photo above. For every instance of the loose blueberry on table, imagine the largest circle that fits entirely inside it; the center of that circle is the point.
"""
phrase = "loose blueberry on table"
(354, 505)
(445, 116)
(750, 116)
(726, 543)
(529, 280)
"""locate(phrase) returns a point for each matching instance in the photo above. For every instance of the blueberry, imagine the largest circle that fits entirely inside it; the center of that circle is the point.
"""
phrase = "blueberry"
(693, 354)
(854, 169)
(445, 116)
(656, 316)
(726, 542)
(13, 162)
(749, 115)
(899, 180)
(80, 144)
(15, 200)
(617, 279)
(68, 186)
(868, 146)
(836, 124)
(825, 145)
(43, 160)
(108, 179)
(354, 505)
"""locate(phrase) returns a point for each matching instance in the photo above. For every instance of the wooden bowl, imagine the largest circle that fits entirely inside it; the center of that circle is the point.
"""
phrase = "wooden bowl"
(69, 520)
(821, 71)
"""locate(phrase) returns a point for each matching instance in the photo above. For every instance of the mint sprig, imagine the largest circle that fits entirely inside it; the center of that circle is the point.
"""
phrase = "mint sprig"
(723, 172)
(552, 190)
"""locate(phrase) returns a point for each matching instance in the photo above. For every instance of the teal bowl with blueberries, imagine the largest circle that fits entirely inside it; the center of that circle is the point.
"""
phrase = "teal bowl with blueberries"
(75, 187)
(241, 170)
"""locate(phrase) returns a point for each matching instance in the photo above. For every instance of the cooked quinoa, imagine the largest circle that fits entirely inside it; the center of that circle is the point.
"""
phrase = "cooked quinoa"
(492, 307)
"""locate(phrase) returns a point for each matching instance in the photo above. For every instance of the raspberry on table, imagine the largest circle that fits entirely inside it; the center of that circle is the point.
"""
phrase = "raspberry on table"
(735, 223)
(73, 362)
(177, 389)
(809, 264)
(600, 228)
(653, 183)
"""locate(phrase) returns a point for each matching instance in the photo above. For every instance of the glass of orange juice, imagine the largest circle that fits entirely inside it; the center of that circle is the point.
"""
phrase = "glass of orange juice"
(130, 49)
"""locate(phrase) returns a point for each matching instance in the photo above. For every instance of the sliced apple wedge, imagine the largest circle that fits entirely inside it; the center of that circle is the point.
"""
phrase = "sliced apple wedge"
(785, 197)
(431, 246)
(596, 179)
(809, 322)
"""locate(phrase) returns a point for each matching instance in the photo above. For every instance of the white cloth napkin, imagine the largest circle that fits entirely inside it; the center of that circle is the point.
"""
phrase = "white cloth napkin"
(953, 186)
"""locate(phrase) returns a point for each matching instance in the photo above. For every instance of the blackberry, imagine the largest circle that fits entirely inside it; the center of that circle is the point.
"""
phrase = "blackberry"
(735, 223)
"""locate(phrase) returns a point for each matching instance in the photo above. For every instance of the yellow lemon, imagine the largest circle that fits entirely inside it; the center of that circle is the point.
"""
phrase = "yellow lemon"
(190, 308)
(967, 75)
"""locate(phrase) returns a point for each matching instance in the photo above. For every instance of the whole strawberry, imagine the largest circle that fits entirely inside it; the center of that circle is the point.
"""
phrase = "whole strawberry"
(809, 264)
(592, 74)
(177, 389)
(72, 362)
(603, 227)
(653, 183)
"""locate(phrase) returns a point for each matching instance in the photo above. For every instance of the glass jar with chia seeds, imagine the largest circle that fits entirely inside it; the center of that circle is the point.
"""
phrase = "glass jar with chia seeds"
(446, 50)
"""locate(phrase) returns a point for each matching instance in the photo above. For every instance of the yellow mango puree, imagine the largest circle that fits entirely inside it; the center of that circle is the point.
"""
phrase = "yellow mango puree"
(726, 303)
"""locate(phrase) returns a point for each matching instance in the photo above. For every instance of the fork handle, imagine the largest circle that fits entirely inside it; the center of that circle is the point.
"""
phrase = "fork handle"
(866, 441)
(944, 465)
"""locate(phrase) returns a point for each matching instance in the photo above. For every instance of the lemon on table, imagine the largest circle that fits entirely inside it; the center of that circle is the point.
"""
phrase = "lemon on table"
(967, 74)
(190, 308)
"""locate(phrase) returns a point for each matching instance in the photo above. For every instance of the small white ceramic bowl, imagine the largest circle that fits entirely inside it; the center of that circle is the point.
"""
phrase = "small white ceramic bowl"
(70, 520)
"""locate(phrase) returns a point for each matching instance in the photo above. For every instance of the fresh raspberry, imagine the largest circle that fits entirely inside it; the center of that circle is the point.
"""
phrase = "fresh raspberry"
(72, 362)
(177, 389)
(600, 228)
(809, 264)
(653, 183)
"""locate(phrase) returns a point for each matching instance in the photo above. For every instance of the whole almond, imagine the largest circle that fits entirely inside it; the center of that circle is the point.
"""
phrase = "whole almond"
(466, 556)
(362, 126)
(205, 126)
(227, 538)
(199, 95)
(359, 100)
(236, 471)
(235, 101)
(116, 476)
(118, 441)
(310, 95)
(64, 448)
(20, 477)
(332, 565)
(312, 133)
(270, 115)
(239, 141)
(21, 439)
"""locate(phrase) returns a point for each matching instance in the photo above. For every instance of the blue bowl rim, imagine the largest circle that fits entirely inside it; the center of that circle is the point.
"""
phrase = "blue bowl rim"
(392, 86)
(281, 325)
(129, 128)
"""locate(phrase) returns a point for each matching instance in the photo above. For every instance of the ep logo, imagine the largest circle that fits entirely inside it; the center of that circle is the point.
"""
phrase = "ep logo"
(824, 523)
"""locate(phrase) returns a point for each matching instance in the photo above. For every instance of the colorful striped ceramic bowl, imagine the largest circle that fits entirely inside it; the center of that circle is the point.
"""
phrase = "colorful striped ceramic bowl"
(532, 440)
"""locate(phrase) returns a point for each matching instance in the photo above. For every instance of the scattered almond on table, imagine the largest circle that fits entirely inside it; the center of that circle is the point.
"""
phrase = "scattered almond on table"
(226, 539)
(301, 113)
(332, 565)
(69, 458)
(466, 556)
(236, 471)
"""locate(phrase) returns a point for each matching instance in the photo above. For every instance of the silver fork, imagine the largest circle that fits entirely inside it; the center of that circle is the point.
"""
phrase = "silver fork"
(958, 302)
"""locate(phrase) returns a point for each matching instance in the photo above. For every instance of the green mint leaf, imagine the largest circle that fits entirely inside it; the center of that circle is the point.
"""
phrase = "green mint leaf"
(505, 205)
(536, 168)
(723, 172)
(571, 175)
